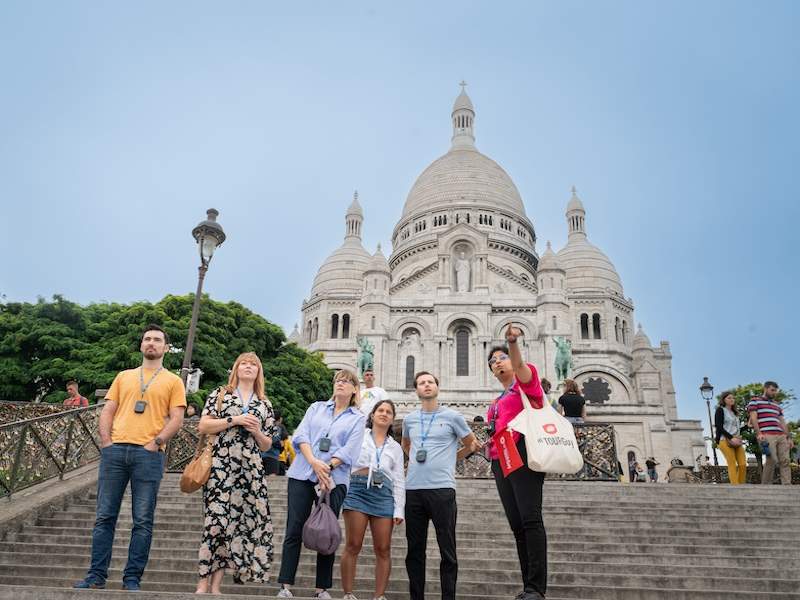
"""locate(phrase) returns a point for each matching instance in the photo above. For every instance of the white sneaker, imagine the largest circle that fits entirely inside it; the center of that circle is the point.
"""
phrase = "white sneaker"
(380, 598)
(324, 595)
(285, 593)
(349, 597)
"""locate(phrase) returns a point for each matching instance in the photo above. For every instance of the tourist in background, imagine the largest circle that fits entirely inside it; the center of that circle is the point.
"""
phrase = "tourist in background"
(430, 439)
(237, 529)
(143, 410)
(766, 419)
(651, 465)
(521, 491)
(376, 498)
(371, 394)
(286, 456)
(271, 457)
(546, 386)
(729, 438)
(74, 400)
(571, 404)
(328, 440)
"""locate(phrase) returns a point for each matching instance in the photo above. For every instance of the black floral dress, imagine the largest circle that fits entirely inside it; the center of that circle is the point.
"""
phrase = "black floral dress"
(237, 531)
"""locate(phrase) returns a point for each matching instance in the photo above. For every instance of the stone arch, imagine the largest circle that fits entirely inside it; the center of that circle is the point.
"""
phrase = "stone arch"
(421, 324)
(530, 331)
(478, 327)
(618, 381)
(462, 237)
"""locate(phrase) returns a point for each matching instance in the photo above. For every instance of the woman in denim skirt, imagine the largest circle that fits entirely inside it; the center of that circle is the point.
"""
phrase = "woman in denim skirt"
(376, 497)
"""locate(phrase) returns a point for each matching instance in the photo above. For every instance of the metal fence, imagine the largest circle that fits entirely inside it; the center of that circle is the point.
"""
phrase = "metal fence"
(40, 448)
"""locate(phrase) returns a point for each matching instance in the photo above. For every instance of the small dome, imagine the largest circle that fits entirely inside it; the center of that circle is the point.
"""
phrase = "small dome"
(549, 261)
(343, 270)
(641, 341)
(294, 337)
(355, 207)
(463, 102)
(575, 202)
(378, 262)
(587, 268)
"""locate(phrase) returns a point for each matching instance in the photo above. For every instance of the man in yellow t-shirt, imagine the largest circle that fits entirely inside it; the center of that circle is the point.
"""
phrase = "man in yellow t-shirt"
(143, 410)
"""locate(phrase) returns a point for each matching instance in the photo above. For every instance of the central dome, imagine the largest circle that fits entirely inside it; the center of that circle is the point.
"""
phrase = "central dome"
(461, 176)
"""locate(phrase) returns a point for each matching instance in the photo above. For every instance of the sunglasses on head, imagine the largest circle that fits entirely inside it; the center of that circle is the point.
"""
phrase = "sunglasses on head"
(497, 357)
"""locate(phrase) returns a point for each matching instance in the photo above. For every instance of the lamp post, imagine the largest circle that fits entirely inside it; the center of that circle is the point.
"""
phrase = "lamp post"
(209, 235)
(707, 392)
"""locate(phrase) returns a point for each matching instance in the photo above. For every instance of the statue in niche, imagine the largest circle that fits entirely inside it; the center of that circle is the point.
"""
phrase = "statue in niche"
(366, 357)
(411, 339)
(563, 362)
(462, 273)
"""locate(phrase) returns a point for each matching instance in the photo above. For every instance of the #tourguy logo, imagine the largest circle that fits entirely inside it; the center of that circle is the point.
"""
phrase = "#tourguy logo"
(550, 428)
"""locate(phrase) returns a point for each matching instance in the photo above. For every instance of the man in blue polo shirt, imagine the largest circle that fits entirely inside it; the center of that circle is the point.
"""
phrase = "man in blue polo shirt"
(430, 439)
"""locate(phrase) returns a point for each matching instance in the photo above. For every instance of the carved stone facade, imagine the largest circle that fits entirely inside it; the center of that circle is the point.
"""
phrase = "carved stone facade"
(463, 266)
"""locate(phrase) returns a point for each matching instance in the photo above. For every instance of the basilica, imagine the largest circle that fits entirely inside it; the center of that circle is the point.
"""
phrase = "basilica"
(464, 265)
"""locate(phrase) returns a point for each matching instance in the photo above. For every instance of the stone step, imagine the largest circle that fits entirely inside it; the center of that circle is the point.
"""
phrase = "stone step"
(502, 582)
(725, 560)
(366, 564)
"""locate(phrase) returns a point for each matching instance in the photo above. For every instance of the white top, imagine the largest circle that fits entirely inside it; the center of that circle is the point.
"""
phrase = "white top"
(370, 397)
(391, 465)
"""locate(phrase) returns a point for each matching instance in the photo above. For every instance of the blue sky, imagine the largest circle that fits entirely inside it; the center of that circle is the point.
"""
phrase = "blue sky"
(121, 124)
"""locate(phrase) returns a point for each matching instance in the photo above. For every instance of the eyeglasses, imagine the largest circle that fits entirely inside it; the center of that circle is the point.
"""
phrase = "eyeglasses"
(497, 357)
(344, 380)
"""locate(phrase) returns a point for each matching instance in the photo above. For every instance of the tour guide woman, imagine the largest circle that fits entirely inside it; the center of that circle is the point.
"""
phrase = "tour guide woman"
(521, 491)
(328, 441)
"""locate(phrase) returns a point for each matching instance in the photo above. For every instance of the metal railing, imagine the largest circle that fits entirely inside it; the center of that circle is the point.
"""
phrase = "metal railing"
(41, 448)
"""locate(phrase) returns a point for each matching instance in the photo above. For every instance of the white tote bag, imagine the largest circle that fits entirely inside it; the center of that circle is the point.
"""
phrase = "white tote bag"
(549, 439)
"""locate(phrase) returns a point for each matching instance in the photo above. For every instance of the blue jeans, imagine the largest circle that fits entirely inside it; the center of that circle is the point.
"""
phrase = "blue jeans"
(120, 463)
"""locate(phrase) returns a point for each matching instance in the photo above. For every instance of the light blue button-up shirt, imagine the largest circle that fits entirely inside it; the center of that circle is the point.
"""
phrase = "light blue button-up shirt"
(346, 433)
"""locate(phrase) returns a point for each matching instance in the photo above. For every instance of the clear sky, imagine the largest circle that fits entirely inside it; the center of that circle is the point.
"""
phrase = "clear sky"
(121, 123)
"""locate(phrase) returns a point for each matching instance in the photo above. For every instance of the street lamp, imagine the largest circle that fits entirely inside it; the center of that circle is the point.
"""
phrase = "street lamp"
(707, 392)
(209, 235)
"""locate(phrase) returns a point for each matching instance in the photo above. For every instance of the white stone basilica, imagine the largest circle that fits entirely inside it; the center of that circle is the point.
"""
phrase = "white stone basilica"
(464, 265)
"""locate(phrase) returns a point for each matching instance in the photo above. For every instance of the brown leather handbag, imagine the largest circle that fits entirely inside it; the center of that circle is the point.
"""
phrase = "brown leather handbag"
(197, 472)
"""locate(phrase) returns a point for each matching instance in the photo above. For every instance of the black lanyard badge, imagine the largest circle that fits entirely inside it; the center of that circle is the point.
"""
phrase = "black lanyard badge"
(141, 404)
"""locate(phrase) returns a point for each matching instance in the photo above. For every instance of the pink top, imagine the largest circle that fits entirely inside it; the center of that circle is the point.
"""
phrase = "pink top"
(509, 404)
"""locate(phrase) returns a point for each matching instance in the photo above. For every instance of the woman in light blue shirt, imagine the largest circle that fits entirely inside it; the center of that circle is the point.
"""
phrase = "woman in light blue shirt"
(328, 442)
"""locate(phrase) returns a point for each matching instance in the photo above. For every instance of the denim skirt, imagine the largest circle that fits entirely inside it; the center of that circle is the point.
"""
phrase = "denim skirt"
(373, 501)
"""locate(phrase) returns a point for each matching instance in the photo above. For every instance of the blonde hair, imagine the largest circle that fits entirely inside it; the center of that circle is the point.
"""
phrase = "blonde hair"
(348, 375)
(258, 384)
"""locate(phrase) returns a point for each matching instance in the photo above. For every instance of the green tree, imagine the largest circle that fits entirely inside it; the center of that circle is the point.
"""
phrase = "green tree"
(43, 345)
(743, 395)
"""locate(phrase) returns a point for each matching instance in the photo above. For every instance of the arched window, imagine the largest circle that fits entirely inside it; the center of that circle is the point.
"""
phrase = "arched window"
(309, 331)
(596, 333)
(334, 326)
(372, 323)
(462, 351)
(624, 332)
(552, 285)
(410, 372)
(345, 327)
(555, 323)
(584, 326)
(616, 329)
(375, 283)
(316, 329)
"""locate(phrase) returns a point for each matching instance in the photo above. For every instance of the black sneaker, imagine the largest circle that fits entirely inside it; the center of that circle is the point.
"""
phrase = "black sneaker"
(89, 584)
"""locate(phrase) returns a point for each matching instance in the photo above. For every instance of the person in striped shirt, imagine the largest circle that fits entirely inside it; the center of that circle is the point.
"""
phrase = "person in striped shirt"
(766, 419)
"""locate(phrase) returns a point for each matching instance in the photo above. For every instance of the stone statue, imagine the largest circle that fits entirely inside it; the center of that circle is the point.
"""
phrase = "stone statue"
(366, 357)
(462, 273)
(563, 361)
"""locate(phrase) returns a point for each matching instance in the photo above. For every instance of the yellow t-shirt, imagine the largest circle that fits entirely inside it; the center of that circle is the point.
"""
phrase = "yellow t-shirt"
(165, 392)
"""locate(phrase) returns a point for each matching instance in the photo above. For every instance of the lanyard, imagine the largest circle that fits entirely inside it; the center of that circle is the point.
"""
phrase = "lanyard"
(377, 451)
(334, 419)
(245, 405)
(142, 385)
(423, 433)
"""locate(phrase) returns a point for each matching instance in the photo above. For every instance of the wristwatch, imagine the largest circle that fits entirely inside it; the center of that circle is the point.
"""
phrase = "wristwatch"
(331, 466)
(229, 421)
(159, 442)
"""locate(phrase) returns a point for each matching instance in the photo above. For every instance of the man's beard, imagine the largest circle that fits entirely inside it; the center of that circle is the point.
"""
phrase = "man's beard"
(153, 354)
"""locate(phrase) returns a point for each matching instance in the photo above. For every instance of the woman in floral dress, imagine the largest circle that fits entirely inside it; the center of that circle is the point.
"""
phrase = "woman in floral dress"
(237, 531)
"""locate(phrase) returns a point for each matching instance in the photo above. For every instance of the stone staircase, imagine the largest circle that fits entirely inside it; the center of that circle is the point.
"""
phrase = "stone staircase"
(607, 541)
